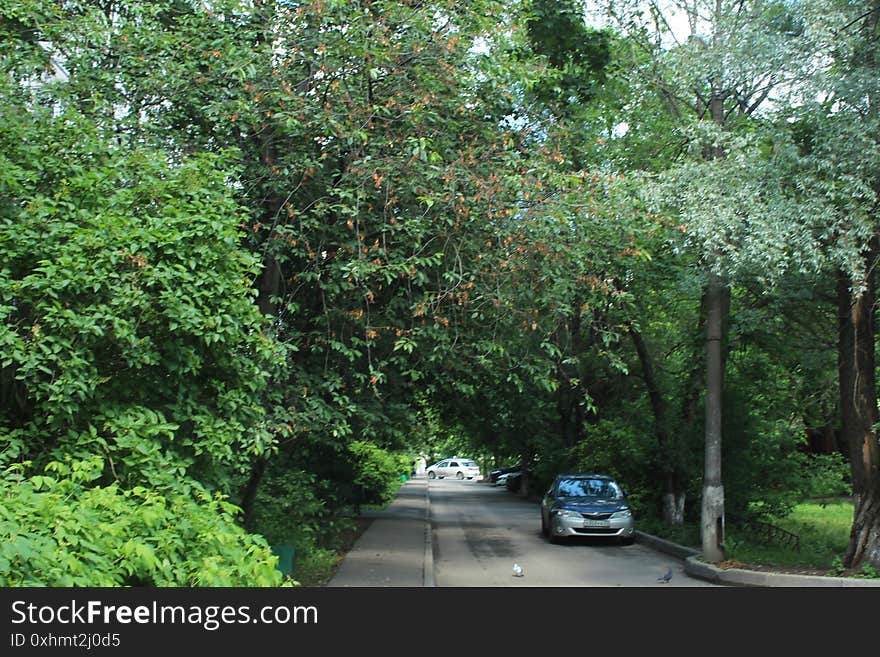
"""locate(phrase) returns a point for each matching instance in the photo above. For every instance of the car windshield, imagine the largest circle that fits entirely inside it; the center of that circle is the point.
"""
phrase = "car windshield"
(588, 488)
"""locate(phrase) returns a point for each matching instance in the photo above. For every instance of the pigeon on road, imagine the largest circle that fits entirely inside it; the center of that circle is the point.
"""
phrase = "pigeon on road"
(517, 570)
(666, 577)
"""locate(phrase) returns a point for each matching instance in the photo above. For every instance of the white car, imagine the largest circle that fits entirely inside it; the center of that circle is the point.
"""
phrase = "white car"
(455, 467)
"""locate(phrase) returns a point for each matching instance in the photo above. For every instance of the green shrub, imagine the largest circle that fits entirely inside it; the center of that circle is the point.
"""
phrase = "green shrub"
(132, 361)
(59, 529)
(826, 475)
(377, 472)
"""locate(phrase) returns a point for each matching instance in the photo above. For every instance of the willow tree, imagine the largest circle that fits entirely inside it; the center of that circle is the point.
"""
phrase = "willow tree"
(717, 66)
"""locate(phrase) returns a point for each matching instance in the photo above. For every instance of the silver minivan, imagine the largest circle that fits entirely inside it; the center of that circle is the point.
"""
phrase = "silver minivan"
(455, 467)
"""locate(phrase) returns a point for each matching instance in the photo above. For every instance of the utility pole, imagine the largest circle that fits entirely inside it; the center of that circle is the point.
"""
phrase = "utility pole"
(712, 510)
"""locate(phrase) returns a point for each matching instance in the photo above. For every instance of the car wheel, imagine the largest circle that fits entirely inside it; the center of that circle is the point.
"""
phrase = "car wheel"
(459, 476)
(627, 540)
(551, 533)
(432, 475)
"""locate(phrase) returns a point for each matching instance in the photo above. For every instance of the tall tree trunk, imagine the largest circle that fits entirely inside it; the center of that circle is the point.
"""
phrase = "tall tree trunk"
(712, 516)
(859, 416)
(249, 492)
(673, 494)
(270, 279)
(269, 286)
(570, 396)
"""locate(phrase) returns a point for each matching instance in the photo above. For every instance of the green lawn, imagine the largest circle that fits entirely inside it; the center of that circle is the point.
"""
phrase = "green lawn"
(823, 530)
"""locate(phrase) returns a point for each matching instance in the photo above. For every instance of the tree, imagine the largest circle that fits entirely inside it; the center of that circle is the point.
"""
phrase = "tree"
(132, 358)
(715, 65)
(837, 134)
(372, 163)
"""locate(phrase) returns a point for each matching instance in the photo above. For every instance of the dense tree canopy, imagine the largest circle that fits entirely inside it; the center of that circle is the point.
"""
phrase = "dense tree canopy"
(259, 255)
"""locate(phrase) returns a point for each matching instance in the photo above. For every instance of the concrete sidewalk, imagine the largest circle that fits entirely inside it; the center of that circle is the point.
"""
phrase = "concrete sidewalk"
(396, 548)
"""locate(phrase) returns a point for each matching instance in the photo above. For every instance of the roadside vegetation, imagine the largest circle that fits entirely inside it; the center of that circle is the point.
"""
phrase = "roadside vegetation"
(256, 257)
(822, 532)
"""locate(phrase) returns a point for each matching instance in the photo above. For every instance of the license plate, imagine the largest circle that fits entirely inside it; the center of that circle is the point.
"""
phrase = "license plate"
(595, 523)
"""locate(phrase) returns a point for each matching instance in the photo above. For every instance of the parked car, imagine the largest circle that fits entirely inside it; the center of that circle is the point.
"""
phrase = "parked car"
(513, 481)
(497, 472)
(455, 467)
(502, 479)
(586, 504)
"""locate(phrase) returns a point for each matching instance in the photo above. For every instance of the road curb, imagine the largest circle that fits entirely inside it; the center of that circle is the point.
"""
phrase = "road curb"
(668, 547)
(695, 567)
(753, 578)
(428, 574)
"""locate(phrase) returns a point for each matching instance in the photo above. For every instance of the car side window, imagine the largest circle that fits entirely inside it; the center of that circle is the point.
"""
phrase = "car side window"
(453, 465)
(442, 464)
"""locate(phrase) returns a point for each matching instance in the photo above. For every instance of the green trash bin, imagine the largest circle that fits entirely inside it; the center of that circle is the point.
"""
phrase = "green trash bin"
(403, 477)
(285, 554)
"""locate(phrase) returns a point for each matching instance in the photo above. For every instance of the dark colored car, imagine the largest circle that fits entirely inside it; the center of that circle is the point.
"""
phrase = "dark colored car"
(494, 474)
(586, 504)
(514, 479)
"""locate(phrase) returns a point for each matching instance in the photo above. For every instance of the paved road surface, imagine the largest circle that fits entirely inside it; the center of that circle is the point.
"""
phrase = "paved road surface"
(480, 531)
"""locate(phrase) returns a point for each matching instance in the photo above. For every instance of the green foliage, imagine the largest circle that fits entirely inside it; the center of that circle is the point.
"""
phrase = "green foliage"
(132, 361)
(377, 472)
(329, 236)
(62, 528)
(294, 507)
(128, 323)
(577, 55)
(760, 449)
(626, 451)
(288, 510)
(825, 476)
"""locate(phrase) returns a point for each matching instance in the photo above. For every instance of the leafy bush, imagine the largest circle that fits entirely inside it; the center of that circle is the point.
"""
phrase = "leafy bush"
(377, 472)
(826, 475)
(291, 509)
(132, 362)
(125, 303)
(760, 449)
(59, 529)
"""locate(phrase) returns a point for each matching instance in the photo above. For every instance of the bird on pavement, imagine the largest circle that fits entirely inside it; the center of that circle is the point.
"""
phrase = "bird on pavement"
(517, 570)
(666, 577)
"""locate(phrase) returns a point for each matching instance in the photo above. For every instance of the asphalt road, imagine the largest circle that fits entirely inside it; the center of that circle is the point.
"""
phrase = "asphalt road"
(480, 531)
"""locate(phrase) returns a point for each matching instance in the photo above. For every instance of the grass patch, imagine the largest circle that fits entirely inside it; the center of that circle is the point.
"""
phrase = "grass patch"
(823, 529)
(320, 564)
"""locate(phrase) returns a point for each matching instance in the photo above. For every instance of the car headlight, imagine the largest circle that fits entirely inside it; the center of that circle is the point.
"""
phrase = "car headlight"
(566, 513)
(622, 514)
